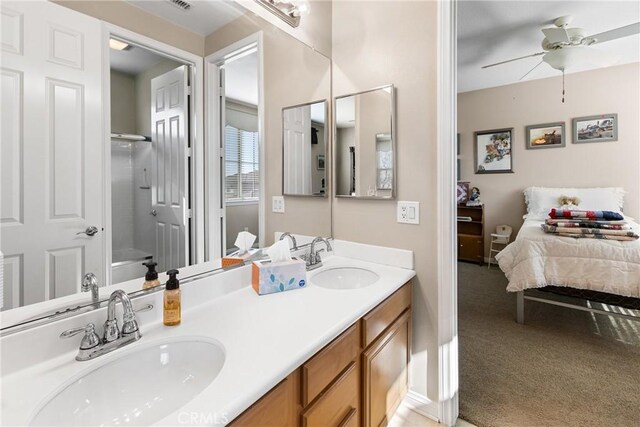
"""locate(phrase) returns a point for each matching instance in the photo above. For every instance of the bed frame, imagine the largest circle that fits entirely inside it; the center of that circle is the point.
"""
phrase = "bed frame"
(606, 304)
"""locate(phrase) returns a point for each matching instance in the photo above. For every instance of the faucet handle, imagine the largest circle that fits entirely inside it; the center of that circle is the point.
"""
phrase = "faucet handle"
(90, 339)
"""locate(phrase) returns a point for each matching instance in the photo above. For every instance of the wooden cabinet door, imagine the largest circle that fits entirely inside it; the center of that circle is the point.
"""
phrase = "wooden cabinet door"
(280, 407)
(385, 366)
(470, 248)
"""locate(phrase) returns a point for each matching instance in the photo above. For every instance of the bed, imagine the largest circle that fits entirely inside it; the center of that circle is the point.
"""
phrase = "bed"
(599, 271)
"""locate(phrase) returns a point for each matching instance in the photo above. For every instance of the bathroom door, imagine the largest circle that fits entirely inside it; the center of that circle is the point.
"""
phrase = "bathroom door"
(297, 150)
(51, 151)
(169, 135)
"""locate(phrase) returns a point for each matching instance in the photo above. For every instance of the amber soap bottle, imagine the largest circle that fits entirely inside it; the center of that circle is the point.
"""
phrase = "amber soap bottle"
(151, 278)
(172, 301)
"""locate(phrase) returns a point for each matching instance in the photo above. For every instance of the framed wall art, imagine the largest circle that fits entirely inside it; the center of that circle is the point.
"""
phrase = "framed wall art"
(492, 151)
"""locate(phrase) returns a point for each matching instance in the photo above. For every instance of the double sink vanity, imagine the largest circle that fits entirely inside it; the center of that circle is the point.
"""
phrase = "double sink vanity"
(334, 353)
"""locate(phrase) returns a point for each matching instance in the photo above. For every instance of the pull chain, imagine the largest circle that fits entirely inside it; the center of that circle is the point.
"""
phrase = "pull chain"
(563, 85)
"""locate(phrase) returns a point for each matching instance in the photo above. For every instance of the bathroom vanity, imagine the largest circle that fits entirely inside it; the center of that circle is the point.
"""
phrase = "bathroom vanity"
(357, 379)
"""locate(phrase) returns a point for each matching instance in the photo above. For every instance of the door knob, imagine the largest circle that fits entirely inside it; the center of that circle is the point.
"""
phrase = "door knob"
(153, 212)
(90, 231)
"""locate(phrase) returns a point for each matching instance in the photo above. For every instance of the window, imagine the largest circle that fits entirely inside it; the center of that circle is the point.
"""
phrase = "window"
(241, 166)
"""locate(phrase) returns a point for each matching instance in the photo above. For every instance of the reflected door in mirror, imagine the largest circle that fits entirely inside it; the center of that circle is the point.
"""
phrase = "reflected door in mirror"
(364, 144)
(304, 149)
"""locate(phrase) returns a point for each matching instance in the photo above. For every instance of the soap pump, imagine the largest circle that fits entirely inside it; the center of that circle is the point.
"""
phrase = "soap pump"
(151, 278)
(172, 315)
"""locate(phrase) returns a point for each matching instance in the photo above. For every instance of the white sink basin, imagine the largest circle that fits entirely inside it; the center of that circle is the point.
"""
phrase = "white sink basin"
(343, 278)
(139, 388)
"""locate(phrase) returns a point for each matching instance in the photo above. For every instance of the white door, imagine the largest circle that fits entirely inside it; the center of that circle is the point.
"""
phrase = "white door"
(297, 150)
(169, 136)
(51, 155)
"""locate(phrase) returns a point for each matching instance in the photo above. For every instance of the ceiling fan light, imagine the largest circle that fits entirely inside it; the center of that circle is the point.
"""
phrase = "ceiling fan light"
(572, 57)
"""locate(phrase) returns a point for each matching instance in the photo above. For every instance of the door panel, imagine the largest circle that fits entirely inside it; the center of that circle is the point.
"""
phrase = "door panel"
(52, 150)
(297, 150)
(169, 183)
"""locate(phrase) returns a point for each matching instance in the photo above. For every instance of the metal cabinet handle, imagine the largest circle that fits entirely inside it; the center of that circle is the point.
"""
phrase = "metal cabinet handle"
(153, 212)
(90, 231)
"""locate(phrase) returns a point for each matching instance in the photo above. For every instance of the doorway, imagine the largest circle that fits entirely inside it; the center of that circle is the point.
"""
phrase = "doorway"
(150, 160)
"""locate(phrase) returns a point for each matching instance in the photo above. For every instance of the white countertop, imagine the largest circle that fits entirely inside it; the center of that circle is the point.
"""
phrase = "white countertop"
(265, 339)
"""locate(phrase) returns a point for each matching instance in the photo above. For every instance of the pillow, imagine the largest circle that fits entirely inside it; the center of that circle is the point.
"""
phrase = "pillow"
(540, 200)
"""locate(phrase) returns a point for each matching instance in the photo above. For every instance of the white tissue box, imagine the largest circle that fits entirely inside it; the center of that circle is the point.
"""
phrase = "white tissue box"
(270, 277)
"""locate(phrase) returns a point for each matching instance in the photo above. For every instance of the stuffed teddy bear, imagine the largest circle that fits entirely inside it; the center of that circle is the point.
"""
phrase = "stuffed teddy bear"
(568, 203)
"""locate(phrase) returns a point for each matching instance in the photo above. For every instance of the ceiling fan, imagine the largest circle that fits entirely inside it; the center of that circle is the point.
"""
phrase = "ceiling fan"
(564, 47)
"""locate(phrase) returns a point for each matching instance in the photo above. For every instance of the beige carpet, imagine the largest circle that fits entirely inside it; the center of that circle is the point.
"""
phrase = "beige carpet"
(562, 368)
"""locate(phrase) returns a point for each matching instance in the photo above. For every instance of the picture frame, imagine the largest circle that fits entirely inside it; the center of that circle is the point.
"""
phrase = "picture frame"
(545, 135)
(599, 128)
(320, 162)
(462, 192)
(493, 151)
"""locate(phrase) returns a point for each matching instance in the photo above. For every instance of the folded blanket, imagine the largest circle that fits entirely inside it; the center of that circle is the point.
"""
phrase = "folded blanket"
(602, 215)
(579, 223)
(597, 236)
(587, 231)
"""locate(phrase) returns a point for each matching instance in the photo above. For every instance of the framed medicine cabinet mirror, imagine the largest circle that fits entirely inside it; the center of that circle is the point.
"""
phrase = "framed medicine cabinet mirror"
(364, 146)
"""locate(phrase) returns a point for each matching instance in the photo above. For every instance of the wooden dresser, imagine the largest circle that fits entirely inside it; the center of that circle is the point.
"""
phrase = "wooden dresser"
(357, 380)
(471, 234)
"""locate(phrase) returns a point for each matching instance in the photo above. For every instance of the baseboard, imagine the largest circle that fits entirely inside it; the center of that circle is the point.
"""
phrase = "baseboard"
(422, 405)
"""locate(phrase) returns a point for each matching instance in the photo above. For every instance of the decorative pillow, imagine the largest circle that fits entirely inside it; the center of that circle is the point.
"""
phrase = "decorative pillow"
(540, 200)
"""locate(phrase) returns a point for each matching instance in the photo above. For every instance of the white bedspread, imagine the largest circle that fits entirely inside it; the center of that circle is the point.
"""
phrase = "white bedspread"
(537, 259)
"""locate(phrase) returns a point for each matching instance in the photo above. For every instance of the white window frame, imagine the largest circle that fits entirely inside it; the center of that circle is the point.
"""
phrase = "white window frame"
(242, 201)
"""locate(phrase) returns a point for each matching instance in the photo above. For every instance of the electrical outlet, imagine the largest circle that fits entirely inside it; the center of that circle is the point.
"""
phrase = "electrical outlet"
(408, 212)
(277, 204)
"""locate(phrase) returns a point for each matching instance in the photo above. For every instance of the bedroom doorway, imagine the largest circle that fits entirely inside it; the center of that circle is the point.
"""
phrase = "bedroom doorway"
(529, 373)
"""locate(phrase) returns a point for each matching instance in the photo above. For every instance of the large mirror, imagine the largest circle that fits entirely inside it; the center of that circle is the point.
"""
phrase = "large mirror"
(87, 189)
(365, 144)
(304, 142)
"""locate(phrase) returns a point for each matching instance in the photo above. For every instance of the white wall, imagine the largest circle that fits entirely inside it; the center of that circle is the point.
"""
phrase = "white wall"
(603, 91)
(375, 44)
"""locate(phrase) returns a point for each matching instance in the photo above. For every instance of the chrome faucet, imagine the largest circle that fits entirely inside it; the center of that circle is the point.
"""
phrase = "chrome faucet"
(92, 346)
(290, 236)
(90, 283)
(313, 259)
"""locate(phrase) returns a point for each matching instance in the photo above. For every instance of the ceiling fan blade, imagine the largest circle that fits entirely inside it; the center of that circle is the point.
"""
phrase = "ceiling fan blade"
(529, 72)
(627, 30)
(514, 59)
(556, 35)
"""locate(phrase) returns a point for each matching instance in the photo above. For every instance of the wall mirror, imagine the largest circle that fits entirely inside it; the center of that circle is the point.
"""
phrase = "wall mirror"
(364, 146)
(99, 190)
(304, 149)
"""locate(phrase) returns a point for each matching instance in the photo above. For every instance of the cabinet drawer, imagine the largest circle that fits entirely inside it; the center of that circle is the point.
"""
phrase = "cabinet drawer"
(381, 317)
(326, 365)
(338, 406)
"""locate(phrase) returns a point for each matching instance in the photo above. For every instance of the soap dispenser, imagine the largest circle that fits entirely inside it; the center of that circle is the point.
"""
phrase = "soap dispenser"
(172, 301)
(151, 278)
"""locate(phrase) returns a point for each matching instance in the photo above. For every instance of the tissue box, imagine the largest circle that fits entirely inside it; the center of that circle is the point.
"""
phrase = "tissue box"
(237, 259)
(268, 277)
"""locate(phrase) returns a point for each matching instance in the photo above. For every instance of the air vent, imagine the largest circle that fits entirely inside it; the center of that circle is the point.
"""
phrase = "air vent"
(180, 4)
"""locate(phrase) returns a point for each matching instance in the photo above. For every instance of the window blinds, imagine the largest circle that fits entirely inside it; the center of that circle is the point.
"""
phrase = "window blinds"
(241, 164)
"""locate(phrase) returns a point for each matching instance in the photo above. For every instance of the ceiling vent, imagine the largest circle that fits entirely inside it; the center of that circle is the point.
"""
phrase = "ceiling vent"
(180, 4)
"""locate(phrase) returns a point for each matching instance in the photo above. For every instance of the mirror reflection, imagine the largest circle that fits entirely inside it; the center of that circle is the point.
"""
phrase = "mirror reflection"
(364, 144)
(304, 149)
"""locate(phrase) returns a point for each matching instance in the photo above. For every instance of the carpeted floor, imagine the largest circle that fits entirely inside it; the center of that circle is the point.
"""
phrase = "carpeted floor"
(562, 367)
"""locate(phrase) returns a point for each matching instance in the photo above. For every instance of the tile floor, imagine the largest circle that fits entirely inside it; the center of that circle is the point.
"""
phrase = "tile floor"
(405, 417)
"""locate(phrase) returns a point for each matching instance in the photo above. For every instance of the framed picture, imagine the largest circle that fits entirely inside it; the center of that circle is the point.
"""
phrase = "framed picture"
(492, 151)
(595, 128)
(320, 162)
(547, 135)
(462, 193)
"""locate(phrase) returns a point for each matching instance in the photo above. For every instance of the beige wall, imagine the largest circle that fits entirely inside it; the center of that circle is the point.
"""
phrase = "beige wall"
(374, 44)
(293, 74)
(608, 90)
(122, 14)
(123, 103)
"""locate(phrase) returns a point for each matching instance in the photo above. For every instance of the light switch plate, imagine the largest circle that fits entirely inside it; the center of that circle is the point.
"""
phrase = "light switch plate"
(277, 204)
(409, 212)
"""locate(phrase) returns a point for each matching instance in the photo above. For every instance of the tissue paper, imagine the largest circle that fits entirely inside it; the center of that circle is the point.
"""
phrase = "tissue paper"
(279, 251)
(244, 241)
